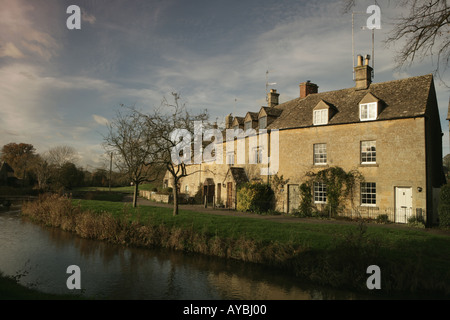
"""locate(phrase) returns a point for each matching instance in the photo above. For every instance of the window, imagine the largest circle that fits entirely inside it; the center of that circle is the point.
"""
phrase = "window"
(368, 194)
(263, 122)
(257, 155)
(320, 192)
(320, 154)
(368, 152)
(186, 189)
(368, 111)
(247, 125)
(230, 158)
(320, 117)
(236, 127)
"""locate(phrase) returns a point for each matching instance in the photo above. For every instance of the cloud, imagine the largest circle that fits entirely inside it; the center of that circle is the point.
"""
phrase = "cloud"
(86, 17)
(23, 34)
(100, 120)
(10, 50)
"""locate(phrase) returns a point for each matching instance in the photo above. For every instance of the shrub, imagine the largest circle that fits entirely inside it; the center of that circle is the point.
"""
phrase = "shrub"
(382, 218)
(306, 202)
(444, 206)
(417, 222)
(254, 197)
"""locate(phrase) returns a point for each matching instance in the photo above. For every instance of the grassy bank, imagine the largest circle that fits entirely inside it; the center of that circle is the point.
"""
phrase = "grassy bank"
(328, 254)
(10, 289)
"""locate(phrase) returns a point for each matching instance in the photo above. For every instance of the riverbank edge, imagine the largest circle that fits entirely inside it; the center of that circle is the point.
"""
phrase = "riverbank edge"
(11, 289)
(338, 267)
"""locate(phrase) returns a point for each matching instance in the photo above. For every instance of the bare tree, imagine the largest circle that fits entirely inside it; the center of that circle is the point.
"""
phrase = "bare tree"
(42, 169)
(133, 148)
(164, 121)
(425, 31)
(59, 155)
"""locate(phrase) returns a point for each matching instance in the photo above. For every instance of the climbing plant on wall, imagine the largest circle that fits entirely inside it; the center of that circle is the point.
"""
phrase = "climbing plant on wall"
(340, 187)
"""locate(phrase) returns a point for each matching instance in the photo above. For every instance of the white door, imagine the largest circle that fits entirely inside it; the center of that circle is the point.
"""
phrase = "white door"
(403, 204)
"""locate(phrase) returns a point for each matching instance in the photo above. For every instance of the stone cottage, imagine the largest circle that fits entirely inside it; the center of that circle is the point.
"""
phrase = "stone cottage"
(390, 132)
(7, 177)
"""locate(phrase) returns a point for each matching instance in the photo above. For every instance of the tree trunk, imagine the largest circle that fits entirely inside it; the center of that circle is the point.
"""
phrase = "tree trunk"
(175, 199)
(136, 188)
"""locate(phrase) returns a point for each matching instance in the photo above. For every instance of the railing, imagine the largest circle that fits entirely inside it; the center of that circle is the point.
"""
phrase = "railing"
(397, 215)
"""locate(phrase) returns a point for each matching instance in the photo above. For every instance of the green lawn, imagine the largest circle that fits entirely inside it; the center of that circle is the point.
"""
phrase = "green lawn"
(127, 189)
(314, 235)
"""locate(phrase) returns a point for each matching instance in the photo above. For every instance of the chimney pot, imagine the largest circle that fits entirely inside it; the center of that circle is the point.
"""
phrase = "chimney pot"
(360, 60)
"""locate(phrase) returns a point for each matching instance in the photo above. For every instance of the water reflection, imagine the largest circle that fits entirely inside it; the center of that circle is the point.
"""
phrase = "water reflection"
(116, 272)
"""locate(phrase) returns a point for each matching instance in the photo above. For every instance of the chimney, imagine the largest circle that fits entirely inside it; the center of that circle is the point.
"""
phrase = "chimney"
(307, 88)
(363, 73)
(229, 121)
(273, 98)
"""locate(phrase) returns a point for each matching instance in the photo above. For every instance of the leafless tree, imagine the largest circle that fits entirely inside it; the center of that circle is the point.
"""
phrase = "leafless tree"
(42, 170)
(164, 121)
(425, 31)
(59, 155)
(133, 148)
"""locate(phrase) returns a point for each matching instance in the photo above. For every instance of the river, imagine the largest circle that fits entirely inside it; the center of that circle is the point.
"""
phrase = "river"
(41, 255)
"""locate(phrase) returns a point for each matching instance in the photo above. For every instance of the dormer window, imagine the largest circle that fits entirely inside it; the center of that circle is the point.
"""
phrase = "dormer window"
(368, 111)
(320, 117)
(322, 113)
(263, 122)
(247, 125)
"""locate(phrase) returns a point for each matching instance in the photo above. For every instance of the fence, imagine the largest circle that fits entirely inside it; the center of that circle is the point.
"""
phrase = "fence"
(400, 215)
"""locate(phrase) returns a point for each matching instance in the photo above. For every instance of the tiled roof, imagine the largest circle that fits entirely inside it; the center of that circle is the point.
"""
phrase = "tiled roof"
(405, 98)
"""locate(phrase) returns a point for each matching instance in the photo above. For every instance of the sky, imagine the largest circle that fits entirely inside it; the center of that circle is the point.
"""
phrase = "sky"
(60, 86)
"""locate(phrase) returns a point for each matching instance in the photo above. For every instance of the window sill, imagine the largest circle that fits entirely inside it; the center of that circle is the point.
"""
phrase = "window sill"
(325, 165)
(369, 165)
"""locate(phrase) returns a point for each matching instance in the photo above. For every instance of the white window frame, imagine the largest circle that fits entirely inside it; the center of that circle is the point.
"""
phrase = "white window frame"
(320, 154)
(368, 111)
(320, 192)
(368, 194)
(257, 155)
(320, 117)
(365, 145)
(230, 158)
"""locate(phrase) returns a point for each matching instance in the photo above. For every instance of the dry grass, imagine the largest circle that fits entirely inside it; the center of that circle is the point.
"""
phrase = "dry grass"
(412, 264)
(59, 212)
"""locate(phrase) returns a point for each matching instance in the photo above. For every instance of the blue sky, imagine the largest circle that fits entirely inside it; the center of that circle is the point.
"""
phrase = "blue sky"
(60, 86)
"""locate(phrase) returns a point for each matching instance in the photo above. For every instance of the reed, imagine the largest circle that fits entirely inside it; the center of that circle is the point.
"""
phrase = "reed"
(410, 261)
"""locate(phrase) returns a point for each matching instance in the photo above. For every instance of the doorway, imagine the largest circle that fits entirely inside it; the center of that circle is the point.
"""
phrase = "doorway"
(403, 204)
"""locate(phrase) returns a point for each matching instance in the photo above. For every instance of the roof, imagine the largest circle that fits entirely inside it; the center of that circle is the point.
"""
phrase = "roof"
(405, 98)
(238, 175)
(5, 166)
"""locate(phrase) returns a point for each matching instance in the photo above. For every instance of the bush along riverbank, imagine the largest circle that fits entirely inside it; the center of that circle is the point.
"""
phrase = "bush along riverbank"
(411, 261)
